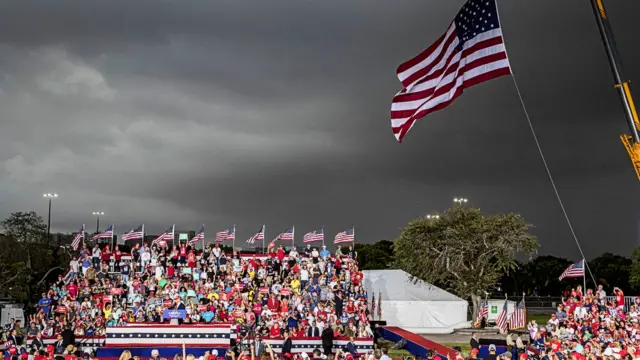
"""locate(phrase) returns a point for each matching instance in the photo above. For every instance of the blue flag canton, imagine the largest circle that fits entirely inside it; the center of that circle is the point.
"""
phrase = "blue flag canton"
(230, 231)
(349, 231)
(476, 17)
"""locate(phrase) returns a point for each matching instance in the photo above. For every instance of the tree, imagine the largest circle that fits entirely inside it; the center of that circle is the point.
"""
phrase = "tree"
(26, 254)
(543, 273)
(463, 249)
(376, 256)
(611, 270)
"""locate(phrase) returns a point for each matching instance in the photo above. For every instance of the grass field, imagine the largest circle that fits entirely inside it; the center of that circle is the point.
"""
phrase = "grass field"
(539, 318)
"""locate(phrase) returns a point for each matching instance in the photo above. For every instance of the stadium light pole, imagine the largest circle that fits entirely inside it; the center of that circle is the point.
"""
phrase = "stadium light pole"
(460, 201)
(49, 196)
(97, 214)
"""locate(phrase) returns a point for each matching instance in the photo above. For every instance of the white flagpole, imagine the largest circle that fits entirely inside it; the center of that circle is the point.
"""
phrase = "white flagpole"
(584, 276)
(83, 235)
(353, 230)
(293, 237)
(203, 239)
(173, 234)
(113, 230)
(264, 236)
(142, 240)
(322, 227)
(233, 244)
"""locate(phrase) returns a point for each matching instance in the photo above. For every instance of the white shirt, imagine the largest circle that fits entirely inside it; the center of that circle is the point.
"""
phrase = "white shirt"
(304, 275)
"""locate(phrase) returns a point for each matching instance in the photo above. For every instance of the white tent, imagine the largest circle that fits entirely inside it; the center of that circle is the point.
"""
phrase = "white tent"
(420, 308)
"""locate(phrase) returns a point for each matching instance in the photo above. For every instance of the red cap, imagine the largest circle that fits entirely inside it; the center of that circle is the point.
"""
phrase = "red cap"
(25, 355)
(13, 350)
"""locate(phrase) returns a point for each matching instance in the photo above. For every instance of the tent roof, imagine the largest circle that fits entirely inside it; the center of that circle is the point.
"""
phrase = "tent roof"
(396, 286)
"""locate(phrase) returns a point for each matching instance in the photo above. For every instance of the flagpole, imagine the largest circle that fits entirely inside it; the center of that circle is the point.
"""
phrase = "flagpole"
(293, 237)
(353, 230)
(83, 235)
(173, 234)
(584, 276)
(142, 240)
(233, 244)
(322, 227)
(113, 231)
(264, 235)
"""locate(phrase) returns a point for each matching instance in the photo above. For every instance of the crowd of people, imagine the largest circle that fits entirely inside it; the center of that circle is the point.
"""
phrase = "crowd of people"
(285, 294)
(586, 325)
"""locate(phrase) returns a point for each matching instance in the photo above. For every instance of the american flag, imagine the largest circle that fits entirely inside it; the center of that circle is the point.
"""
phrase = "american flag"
(199, 236)
(105, 234)
(134, 234)
(482, 313)
(286, 235)
(518, 318)
(167, 235)
(229, 234)
(79, 238)
(574, 270)
(259, 236)
(315, 235)
(501, 322)
(470, 52)
(344, 237)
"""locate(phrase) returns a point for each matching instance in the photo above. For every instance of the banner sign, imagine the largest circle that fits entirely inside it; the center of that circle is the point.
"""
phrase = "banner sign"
(174, 314)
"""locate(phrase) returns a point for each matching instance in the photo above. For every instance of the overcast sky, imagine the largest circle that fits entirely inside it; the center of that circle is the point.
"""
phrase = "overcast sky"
(277, 112)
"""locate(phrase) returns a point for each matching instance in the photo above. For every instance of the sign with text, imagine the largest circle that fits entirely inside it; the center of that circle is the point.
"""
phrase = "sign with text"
(174, 314)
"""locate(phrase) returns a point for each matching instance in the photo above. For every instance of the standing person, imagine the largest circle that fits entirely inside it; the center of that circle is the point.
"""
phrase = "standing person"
(327, 340)
(258, 346)
(385, 354)
(474, 343)
(286, 344)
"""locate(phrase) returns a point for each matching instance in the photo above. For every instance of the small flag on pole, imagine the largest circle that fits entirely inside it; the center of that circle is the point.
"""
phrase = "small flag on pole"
(286, 235)
(501, 322)
(573, 271)
(344, 237)
(78, 239)
(315, 235)
(470, 52)
(483, 312)
(224, 235)
(199, 236)
(519, 316)
(134, 234)
(259, 236)
(167, 235)
(108, 233)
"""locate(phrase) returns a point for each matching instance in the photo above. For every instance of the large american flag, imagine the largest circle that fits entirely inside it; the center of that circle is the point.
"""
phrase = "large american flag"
(315, 235)
(134, 234)
(344, 237)
(259, 236)
(470, 52)
(167, 235)
(108, 233)
(519, 316)
(78, 239)
(229, 234)
(574, 270)
(482, 313)
(199, 236)
(285, 235)
(501, 322)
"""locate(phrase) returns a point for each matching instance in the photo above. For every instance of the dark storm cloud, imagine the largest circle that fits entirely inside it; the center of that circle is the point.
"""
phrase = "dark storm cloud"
(276, 112)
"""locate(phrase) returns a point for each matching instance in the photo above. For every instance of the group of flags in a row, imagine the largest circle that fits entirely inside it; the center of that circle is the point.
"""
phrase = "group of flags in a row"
(312, 236)
(224, 235)
(516, 320)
